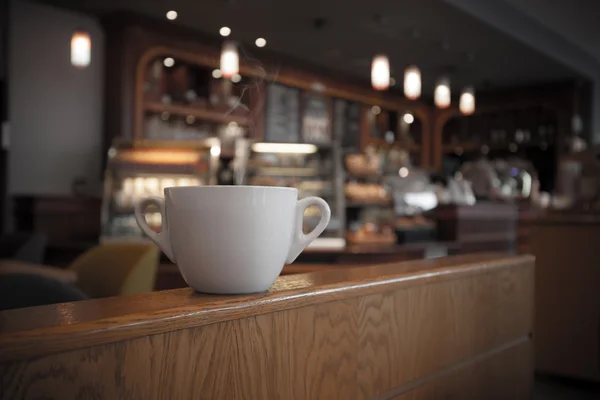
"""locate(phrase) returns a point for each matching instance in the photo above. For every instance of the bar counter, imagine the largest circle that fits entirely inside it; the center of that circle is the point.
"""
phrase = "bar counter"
(456, 327)
(376, 254)
(567, 318)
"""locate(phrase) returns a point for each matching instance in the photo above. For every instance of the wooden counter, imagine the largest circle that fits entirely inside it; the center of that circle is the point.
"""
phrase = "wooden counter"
(567, 319)
(366, 254)
(485, 226)
(455, 327)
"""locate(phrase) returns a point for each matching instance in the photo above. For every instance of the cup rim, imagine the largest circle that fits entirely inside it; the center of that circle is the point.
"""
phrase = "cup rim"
(177, 188)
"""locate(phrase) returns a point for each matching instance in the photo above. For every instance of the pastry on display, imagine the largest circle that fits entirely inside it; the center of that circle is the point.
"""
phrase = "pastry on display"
(361, 165)
(371, 233)
(366, 192)
(414, 222)
(415, 229)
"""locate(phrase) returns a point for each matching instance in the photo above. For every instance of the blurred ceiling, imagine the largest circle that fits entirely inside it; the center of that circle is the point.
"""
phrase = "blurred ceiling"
(343, 35)
(576, 20)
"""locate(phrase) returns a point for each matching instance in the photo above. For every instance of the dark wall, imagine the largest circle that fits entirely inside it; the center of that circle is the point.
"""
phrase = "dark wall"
(4, 11)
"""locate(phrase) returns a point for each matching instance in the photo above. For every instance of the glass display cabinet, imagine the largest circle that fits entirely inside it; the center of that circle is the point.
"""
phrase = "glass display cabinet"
(181, 98)
(144, 168)
(313, 170)
(393, 142)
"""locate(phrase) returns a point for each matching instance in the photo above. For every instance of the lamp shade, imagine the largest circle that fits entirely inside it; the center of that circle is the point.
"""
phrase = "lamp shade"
(467, 101)
(412, 83)
(442, 93)
(81, 49)
(230, 60)
(380, 73)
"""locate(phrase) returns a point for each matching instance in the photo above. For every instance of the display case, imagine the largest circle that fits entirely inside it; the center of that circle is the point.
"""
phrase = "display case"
(392, 142)
(145, 168)
(313, 170)
(180, 96)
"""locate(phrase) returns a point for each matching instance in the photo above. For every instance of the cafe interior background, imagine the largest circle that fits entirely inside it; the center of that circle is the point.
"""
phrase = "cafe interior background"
(431, 127)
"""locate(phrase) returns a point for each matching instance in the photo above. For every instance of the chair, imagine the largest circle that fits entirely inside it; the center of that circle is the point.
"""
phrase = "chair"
(115, 269)
(22, 246)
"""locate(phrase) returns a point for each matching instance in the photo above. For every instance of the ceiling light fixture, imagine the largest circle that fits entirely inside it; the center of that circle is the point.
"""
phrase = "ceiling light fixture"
(412, 82)
(380, 72)
(442, 94)
(236, 78)
(408, 118)
(467, 101)
(260, 42)
(225, 31)
(168, 62)
(230, 60)
(172, 15)
(81, 49)
(216, 73)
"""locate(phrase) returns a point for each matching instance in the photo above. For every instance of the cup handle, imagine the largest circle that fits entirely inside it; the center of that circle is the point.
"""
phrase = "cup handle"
(300, 240)
(161, 239)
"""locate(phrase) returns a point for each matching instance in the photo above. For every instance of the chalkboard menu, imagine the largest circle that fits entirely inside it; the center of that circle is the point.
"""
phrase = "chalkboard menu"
(316, 124)
(282, 124)
(346, 123)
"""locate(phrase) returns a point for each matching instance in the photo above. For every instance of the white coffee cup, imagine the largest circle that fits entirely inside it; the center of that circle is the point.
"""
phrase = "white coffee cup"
(231, 239)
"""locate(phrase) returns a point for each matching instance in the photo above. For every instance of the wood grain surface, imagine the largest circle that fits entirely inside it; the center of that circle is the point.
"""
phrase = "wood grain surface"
(409, 329)
(479, 379)
(46, 329)
(567, 315)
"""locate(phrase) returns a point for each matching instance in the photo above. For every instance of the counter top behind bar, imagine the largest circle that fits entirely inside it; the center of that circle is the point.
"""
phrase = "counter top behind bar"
(369, 254)
(374, 249)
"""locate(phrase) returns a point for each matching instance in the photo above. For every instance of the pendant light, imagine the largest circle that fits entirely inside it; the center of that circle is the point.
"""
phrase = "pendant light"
(81, 49)
(380, 72)
(467, 101)
(442, 94)
(230, 60)
(412, 82)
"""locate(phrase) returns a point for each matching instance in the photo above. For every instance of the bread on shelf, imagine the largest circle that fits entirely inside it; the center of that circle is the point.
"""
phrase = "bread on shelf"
(366, 192)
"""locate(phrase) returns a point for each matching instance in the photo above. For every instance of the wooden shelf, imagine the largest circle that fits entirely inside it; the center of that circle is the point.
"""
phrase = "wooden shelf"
(466, 146)
(370, 203)
(470, 146)
(367, 175)
(199, 144)
(411, 148)
(374, 239)
(286, 171)
(202, 114)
